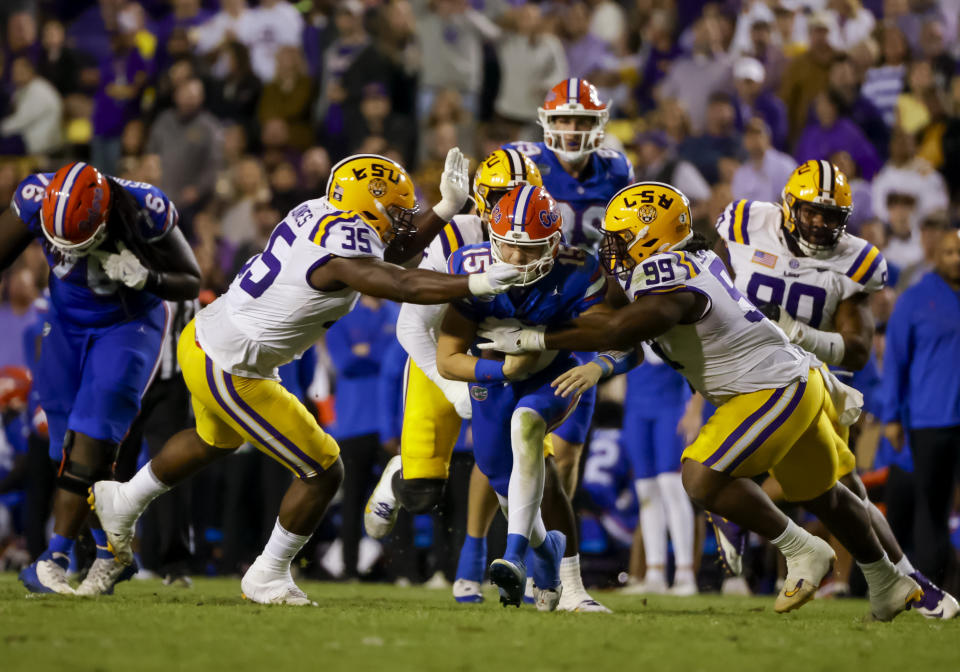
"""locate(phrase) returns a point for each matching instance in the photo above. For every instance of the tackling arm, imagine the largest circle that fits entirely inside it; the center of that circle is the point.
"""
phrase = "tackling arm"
(455, 363)
(14, 238)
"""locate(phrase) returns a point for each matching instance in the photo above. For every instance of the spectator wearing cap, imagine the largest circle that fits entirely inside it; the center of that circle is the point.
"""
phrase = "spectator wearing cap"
(844, 84)
(693, 79)
(920, 391)
(34, 125)
(719, 138)
(751, 100)
(883, 83)
(806, 76)
(828, 132)
(657, 161)
(289, 96)
(906, 173)
(762, 176)
(189, 143)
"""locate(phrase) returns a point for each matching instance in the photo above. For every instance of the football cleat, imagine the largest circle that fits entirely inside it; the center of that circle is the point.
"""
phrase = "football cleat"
(547, 588)
(382, 508)
(731, 542)
(805, 571)
(104, 574)
(48, 574)
(898, 595)
(510, 579)
(118, 518)
(528, 597)
(936, 602)
(581, 603)
(650, 585)
(467, 592)
(264, 585)
(685, 586)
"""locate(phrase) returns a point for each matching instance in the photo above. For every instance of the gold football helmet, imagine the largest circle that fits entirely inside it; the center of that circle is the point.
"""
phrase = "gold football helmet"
(500, 172)
(816, 188)
(642, 220)
(378, 189)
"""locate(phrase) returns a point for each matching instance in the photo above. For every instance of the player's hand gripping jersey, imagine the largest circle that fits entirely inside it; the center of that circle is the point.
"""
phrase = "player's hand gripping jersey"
(271, 313)
(808, 288)
(732, 349)
(80, 291)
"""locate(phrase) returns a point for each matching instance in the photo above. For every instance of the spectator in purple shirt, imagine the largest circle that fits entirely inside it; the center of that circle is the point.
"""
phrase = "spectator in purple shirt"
(751, 100)
(186, 14)
(828, 132)
(123, 75)
(845, 85)
(588, 56)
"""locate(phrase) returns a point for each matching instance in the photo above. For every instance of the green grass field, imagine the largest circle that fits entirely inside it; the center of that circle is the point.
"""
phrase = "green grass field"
(147, 626)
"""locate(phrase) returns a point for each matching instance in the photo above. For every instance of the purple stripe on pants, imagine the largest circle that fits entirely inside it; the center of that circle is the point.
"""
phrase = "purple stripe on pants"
(770, 429)
(743, 427)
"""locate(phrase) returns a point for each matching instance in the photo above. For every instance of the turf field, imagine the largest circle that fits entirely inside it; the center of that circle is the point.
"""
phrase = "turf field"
(360, 627)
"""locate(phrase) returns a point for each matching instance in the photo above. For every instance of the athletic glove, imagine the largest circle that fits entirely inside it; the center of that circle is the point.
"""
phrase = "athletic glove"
(497, 279)
(124, 268)
(510, 337)
(454, 185)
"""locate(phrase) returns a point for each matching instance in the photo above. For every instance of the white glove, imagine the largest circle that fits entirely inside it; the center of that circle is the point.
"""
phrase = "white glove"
(827, 345)
(454, 185)
(458, 393)
(124, 267)
(511, 337)
(497, 279)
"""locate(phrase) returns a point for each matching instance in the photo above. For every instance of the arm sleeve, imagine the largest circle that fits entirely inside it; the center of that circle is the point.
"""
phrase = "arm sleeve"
(894, 382)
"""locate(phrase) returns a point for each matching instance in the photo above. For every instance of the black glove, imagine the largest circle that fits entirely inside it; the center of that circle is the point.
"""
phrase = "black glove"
(770, 310)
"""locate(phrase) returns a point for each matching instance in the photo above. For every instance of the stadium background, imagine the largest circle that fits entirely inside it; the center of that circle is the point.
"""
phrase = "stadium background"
(237, 110)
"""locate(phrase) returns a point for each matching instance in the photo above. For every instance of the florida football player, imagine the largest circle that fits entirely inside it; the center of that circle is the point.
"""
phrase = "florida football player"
(115, 253)
(318, 261)
(773, 410)
(513, 407)
(796, 262)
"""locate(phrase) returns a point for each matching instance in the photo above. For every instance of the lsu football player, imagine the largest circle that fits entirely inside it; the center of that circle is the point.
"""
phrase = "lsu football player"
(115, 253)
(772, 404)
(318, 261)
(796, 262)
(513, 408)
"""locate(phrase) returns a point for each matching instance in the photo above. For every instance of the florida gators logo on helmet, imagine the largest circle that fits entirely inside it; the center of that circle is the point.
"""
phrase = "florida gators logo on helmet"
(75, 207)
(528, 218)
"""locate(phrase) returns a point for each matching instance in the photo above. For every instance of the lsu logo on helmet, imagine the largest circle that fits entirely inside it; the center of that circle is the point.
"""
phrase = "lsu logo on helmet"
(500, 172)
(641, 220)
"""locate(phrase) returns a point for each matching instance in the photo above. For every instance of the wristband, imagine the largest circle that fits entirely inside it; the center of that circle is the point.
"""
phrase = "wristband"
(488, 371)
(152, 283)
(606, 366)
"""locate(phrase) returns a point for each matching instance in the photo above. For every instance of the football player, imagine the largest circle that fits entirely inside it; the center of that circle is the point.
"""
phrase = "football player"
(773, 410)
(513, 408)
(318, 261)
(796, 262)
(115, 253)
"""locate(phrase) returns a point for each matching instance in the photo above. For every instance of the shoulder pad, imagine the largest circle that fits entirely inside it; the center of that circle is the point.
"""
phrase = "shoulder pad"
(740, 218)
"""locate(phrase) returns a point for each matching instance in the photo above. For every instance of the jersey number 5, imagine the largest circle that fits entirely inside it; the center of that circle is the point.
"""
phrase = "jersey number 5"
(254, 267)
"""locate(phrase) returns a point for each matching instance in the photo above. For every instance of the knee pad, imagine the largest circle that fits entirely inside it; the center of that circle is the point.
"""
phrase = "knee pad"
(418, 495)
(78, 477)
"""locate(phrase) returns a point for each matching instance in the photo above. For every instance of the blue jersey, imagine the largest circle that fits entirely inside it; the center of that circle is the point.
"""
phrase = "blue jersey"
(573, 285)
(80, 291)
(582, 201)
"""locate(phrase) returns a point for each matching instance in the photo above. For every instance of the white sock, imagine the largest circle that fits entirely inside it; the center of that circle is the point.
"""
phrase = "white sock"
(143, 488)
(653, 521)
(880, 573)
(282, 546)
(525, 491)
(792, 540)
(905, 566)
(679, 510)
(570, 575)
(684, 575)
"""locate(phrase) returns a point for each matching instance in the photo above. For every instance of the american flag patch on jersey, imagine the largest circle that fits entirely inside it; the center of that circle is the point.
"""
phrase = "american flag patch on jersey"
(764, 259)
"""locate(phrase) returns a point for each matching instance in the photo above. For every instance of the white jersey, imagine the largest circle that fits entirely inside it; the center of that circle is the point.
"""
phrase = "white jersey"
(418, 325)
(809, 289)
(271, 314)
(732, 349)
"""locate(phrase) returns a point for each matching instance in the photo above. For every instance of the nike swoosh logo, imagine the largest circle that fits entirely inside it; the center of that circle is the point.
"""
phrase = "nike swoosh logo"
(796, 589)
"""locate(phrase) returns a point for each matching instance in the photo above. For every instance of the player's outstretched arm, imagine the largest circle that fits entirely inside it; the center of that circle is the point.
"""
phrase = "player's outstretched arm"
(177, 276)
(454, 362)
(14, 238)
(388, 281)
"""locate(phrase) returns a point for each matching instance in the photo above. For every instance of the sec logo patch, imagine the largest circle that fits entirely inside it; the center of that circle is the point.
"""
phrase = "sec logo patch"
(478, 393)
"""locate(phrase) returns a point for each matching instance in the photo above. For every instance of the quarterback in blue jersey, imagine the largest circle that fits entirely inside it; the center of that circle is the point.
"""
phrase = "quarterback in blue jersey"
(582, 177)
(115, 253)
(512, 402)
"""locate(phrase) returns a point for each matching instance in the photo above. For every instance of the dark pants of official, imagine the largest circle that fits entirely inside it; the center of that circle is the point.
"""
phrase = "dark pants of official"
(359, 454)
(936, 461)
(166, 533)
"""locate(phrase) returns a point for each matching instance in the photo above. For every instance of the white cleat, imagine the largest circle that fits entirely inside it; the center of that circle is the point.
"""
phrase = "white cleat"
(269, 586)
(897, 596)
(117, 516)
(936, 602)
(581, 603)
(467, 592)
(382, 508)
(104, 574)
(645, 587)
(684, 588)
(805, 571)
(547, 599)
(48, 575)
